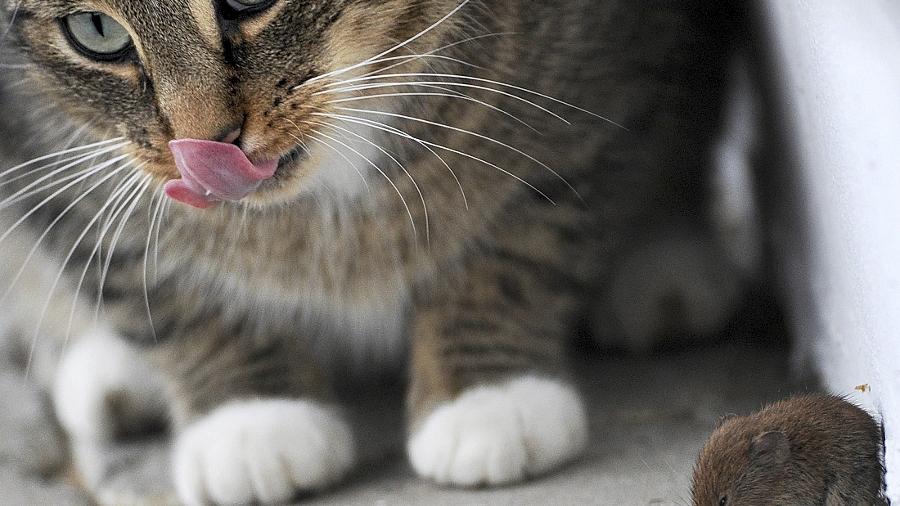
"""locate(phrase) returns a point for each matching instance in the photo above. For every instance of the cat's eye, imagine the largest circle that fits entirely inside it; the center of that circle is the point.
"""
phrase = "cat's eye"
(723, 501)
(242, 8)
(97, 35)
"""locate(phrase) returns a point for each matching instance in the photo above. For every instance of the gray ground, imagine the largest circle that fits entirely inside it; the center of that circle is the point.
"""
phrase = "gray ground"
(649, 416)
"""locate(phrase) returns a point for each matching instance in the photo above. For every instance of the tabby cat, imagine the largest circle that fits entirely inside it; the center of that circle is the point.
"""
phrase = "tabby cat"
(270, 193)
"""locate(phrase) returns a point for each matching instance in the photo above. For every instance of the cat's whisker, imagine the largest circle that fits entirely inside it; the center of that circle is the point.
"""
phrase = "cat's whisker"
(342, 155)
(65, 152)
(52, 290)
(450, 94)
(438, 75)
(404, 60)
(52, 224)
(387, 128)
(412, 220)
(428, 148)
(339, 152)
(158, 197)
(132, 202)
(416, 57)
(67, 181)
(159, 223)
(84, 175)
(11, 21)
(115, 197)
(467, 132)
(391, 50)
(81, 158)
(394, 159)
(448, 84)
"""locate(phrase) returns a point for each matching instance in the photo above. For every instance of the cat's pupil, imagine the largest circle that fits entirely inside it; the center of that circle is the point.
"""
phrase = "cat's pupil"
(723, 501)
(97, 21)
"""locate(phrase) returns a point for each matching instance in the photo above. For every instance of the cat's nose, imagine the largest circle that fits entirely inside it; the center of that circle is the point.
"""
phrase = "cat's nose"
(230, 136)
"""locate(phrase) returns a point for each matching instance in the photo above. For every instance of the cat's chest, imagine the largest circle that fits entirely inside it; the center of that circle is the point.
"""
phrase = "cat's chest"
(347, 292)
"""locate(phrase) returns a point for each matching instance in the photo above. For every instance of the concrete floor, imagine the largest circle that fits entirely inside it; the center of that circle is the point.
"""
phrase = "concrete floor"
(649, 416)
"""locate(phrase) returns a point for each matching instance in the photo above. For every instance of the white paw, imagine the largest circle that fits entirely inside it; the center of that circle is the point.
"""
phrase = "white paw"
(261, 451)
(103, 387)
(492, 435)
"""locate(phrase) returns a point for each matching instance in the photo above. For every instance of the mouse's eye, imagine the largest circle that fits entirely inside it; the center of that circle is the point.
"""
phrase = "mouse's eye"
(723, 501)
(97, 35)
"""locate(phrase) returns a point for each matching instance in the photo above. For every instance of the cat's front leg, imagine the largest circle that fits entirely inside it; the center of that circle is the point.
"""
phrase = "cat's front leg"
(489, 403)
(253, 423)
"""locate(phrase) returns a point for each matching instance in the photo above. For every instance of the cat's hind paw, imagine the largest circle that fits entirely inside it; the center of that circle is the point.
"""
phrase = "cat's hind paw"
(498, 434)
(261, 451)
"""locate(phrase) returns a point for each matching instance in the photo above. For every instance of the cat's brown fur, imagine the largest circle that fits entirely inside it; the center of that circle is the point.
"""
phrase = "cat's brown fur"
(487, 291)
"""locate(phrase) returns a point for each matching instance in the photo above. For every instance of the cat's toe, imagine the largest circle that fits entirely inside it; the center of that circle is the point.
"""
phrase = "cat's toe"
(493, 435)
(261, 451)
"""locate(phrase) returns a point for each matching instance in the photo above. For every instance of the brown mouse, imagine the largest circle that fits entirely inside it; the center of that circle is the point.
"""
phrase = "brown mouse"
(811, 450)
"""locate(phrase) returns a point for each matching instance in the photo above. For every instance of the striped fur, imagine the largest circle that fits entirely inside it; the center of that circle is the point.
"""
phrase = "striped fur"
(266, 298)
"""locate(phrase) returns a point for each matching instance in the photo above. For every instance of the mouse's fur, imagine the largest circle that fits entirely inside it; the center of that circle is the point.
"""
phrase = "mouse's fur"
(807, 450)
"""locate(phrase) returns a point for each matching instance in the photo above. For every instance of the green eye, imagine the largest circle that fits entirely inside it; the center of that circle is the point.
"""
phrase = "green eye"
(97, 35)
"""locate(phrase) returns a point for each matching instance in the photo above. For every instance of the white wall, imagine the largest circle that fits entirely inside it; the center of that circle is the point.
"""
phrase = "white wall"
(837, 68)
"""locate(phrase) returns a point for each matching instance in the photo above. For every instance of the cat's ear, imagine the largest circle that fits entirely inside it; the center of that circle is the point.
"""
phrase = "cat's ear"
(770, 448)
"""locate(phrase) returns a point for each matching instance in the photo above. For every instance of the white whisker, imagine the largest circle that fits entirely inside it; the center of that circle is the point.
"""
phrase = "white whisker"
(339, 152)
(398, 132)
(134, 199)
(449, 84)
(467, 132)
(394, 159)
(450, 94)
(81, 158)
(52, 224)
(152, 217)
(389, 180)
(428, 148)
(481, 80)
(342, 155)
(115, 197)
(391, 50)
(56, 281)
(86, 174)
(442, 48)
(63, 152)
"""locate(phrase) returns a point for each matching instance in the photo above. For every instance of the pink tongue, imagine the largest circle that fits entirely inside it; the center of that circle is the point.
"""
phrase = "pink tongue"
(214, 171)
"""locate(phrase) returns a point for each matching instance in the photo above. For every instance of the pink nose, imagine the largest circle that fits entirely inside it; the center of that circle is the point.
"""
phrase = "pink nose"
(212, 172)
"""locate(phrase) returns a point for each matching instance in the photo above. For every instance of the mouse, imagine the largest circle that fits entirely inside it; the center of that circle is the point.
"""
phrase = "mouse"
(809, 450)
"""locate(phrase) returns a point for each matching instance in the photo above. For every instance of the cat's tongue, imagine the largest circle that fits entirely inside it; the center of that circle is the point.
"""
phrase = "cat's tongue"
(214, 171)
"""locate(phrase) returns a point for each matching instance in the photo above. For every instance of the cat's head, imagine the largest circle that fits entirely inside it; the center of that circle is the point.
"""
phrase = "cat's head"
(258, 73)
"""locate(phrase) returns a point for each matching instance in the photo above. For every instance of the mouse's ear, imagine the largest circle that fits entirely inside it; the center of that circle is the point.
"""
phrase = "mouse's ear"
(770, 448)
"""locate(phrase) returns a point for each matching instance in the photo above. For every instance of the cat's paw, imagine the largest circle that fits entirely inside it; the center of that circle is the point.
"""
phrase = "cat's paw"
(676, 284)
(104, 389)
(492, 435)
(261, 451)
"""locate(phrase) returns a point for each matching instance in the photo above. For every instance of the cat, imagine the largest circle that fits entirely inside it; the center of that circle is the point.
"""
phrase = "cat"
(355, 185)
